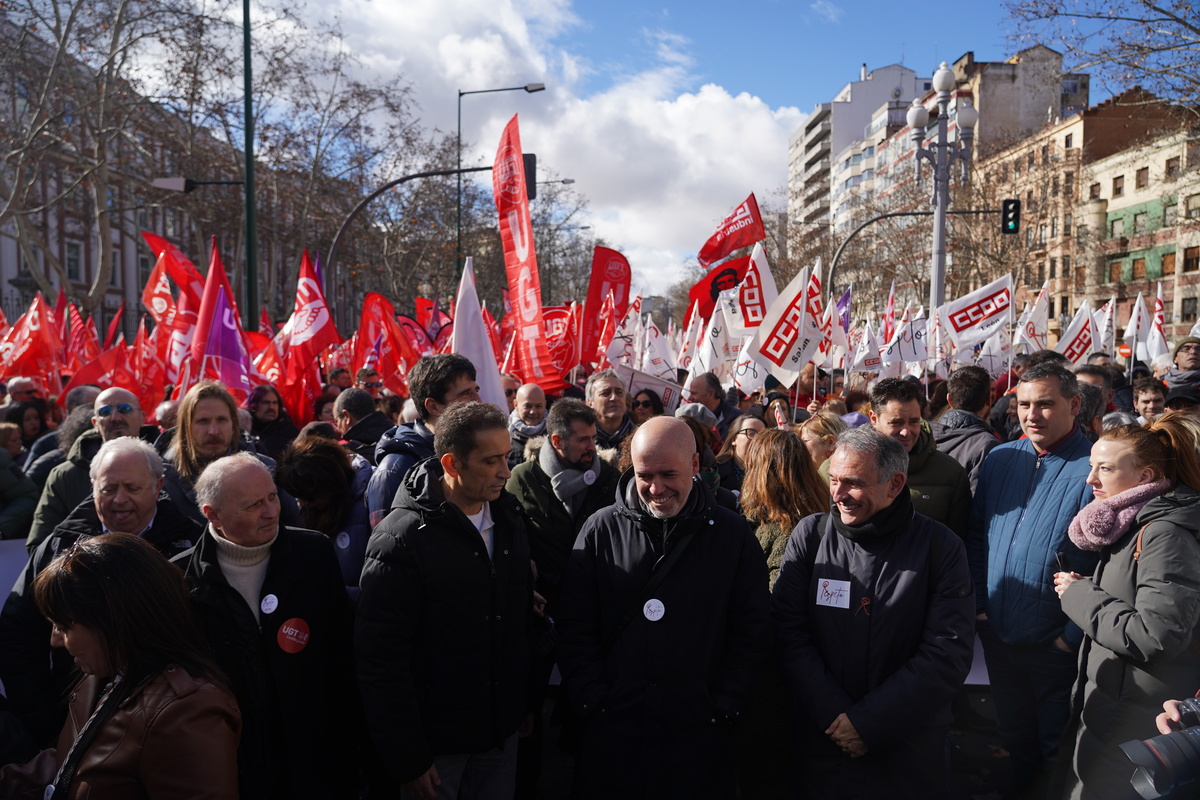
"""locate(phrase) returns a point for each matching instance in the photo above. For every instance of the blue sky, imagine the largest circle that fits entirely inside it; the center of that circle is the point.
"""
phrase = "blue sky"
(666, 115)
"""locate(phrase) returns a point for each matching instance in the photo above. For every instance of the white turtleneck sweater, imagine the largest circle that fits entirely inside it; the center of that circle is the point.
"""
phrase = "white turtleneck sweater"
(245, 568)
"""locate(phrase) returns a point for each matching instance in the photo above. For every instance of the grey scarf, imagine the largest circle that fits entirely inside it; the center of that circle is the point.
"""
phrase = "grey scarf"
(1174, 378)
(518, 428)
(569, 484)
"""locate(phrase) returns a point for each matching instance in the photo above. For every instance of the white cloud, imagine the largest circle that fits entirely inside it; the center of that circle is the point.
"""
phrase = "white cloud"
(827, 10)
(660, 159)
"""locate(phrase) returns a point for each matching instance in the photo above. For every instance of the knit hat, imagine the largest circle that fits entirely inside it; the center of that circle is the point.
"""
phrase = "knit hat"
(701, 414)
(1182, 342)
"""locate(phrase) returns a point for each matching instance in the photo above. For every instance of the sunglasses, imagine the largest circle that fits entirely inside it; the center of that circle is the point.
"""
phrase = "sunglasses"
(509, 392)
(123, 408)
(371, 384)
(642, 404)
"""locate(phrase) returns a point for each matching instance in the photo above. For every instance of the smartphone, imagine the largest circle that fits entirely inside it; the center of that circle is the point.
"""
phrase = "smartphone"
(1061, 564)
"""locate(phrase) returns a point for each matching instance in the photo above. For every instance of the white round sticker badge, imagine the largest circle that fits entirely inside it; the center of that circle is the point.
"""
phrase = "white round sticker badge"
(653, 610)
(343, 540)
(589, 478)
(269, 604)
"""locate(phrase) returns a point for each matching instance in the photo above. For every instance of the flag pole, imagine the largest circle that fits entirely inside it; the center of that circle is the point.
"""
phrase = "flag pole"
(1011, 346)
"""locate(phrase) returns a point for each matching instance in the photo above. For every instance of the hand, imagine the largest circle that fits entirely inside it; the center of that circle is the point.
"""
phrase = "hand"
(1170, 720)
(426, 785)
(982, 617)
(814, 407)
(539, 604)
(1064, 579)
(845, 737)
(1061, 644)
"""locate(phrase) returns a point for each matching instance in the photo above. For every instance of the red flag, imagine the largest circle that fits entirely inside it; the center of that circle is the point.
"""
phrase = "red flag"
(396, 355)
(610, 273)
(178, 266)
(179, 338)
(608, 329)
(60, 314)
(264, 322)
(423, 307)
(31, 347)
(109, 369)
(493, 331)
(310, 328)
(520, 261)
(147, 367)
(84, 345)
(560, 337)
(724, 276)
(114, 326)
(742, 228)
(157, 297)
(417, 336)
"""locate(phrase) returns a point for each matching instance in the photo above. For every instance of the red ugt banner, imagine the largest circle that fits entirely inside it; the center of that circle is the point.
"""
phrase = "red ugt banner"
(520, 262)
(610, 272)
(742, 228)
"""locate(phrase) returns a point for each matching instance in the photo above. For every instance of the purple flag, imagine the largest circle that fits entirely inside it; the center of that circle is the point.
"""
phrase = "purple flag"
(843, 308)
(225, 353)
(320, 274)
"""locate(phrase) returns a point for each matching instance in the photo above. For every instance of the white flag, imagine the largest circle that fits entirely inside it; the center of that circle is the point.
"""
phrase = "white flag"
(693, 327)
(974, 317)
(1079, 340)
(1106, 326)
(470, 338)
(791, 331)
(715, 353)
(756, 292)
(994, 355)
(623, 347)
(656, 355)
(1156, 342)
(748, 375)
(909, 343)
(1137, 331)
(1033, 328)
(866, 355)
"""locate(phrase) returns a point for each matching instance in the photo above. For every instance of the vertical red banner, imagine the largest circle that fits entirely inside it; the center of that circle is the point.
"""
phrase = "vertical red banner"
(610, 272)
(520, 262)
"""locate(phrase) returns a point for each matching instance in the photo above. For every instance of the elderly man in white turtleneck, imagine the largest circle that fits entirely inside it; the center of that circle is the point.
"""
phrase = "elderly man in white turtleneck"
(273, 606)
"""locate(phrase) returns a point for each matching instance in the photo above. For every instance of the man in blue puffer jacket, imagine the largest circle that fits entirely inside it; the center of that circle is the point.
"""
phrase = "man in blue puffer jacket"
(1029, 491)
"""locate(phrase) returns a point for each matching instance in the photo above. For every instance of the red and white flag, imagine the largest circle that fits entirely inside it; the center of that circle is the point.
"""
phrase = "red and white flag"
(974, 317)
(889, 315)
(1156, 343)
(866, 355)
(746, 308)
(623, 348)
(1033, 327)
(310, 329)
(1106, 326)
(1080, 338)
(520, 262)
(1137, 332)
(741, 228)
(610, 273)
(791, 331)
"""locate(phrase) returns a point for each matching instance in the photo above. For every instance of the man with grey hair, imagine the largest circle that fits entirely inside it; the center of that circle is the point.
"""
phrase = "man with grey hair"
(605, 392)
(1029, 491)
(127, 497)
(664, 624)
(872, 608)
(706, 390)
(116, 412)
(272, 604)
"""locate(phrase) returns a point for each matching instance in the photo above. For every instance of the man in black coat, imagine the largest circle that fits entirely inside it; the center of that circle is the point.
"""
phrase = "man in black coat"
(127, 497)
(665, 622)
(874, 616)
(445, 613)
(272, 604)
(360, 425)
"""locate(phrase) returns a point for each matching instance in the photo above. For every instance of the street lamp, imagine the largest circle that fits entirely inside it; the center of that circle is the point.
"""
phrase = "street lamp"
(942, 159)
(529, 87)
(564, 181)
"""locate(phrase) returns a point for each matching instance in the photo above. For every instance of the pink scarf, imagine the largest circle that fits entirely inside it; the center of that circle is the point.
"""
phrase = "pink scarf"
(1102, 522)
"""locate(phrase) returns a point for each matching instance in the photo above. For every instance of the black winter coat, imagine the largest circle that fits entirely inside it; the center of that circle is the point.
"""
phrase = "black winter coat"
(37, 686)
(890, 654)
(658, 697)
(292, 673)
(362, 436)
(444, 635)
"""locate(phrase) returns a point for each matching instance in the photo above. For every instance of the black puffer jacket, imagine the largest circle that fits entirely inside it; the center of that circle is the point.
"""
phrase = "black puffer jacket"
(362, 436)
(291, 671)
(36, 677)
(444, 635)
(657, 695)
(966, 438)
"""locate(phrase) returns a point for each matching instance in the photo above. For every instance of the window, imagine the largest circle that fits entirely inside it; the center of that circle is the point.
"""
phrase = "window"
(1192, 207)
(1067, 225)
(1139, 268)
(1069, 184)
(1070, 86)
(1053, 271)
(74, 263)
(1054, 186)
(1069, 141)
(143, 270)
(1191, 259)
(1041, 272)
(1053, 228)
(1029, 202)
(1172, 171)
(1187, 310)
(1142, 178)
(1171, 215)
(1168, 264)
(1017, 168)
(1045, 154)
(1118, 228)
(1029, 160)
(1042, 235)
(1066, 273)
(1094, 192)
(1114, 272)
(1139, 222)
(1118, 186)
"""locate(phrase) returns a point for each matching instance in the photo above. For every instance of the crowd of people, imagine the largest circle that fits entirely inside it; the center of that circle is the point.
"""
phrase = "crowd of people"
(775, 595)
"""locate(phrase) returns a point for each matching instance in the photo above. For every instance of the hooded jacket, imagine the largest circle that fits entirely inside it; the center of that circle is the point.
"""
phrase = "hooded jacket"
(364, 435)
(902, 628)
(398, 450)
(1140, 617)
(656, 689)
(35, 675)
(966, 438)
(18, 499)
(444, 635)
(272, 437)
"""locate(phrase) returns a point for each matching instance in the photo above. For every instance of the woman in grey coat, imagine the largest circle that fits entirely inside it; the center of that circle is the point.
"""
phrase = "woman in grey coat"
(1141, 608)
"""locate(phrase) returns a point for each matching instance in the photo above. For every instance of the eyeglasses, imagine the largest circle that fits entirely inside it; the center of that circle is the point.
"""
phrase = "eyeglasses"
(371, 384)
(642, 404)
(1189, 348)
(749, 433)
(123, 408)
(509, 392)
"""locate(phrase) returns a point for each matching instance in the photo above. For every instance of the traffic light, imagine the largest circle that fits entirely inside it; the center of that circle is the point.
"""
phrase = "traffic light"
(530, 174)
(1010, 216)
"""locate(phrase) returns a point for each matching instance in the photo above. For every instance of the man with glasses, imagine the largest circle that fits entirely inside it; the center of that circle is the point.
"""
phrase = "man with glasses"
(115, 413)
(511, 386)
(368, 380)
(1186, 371)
